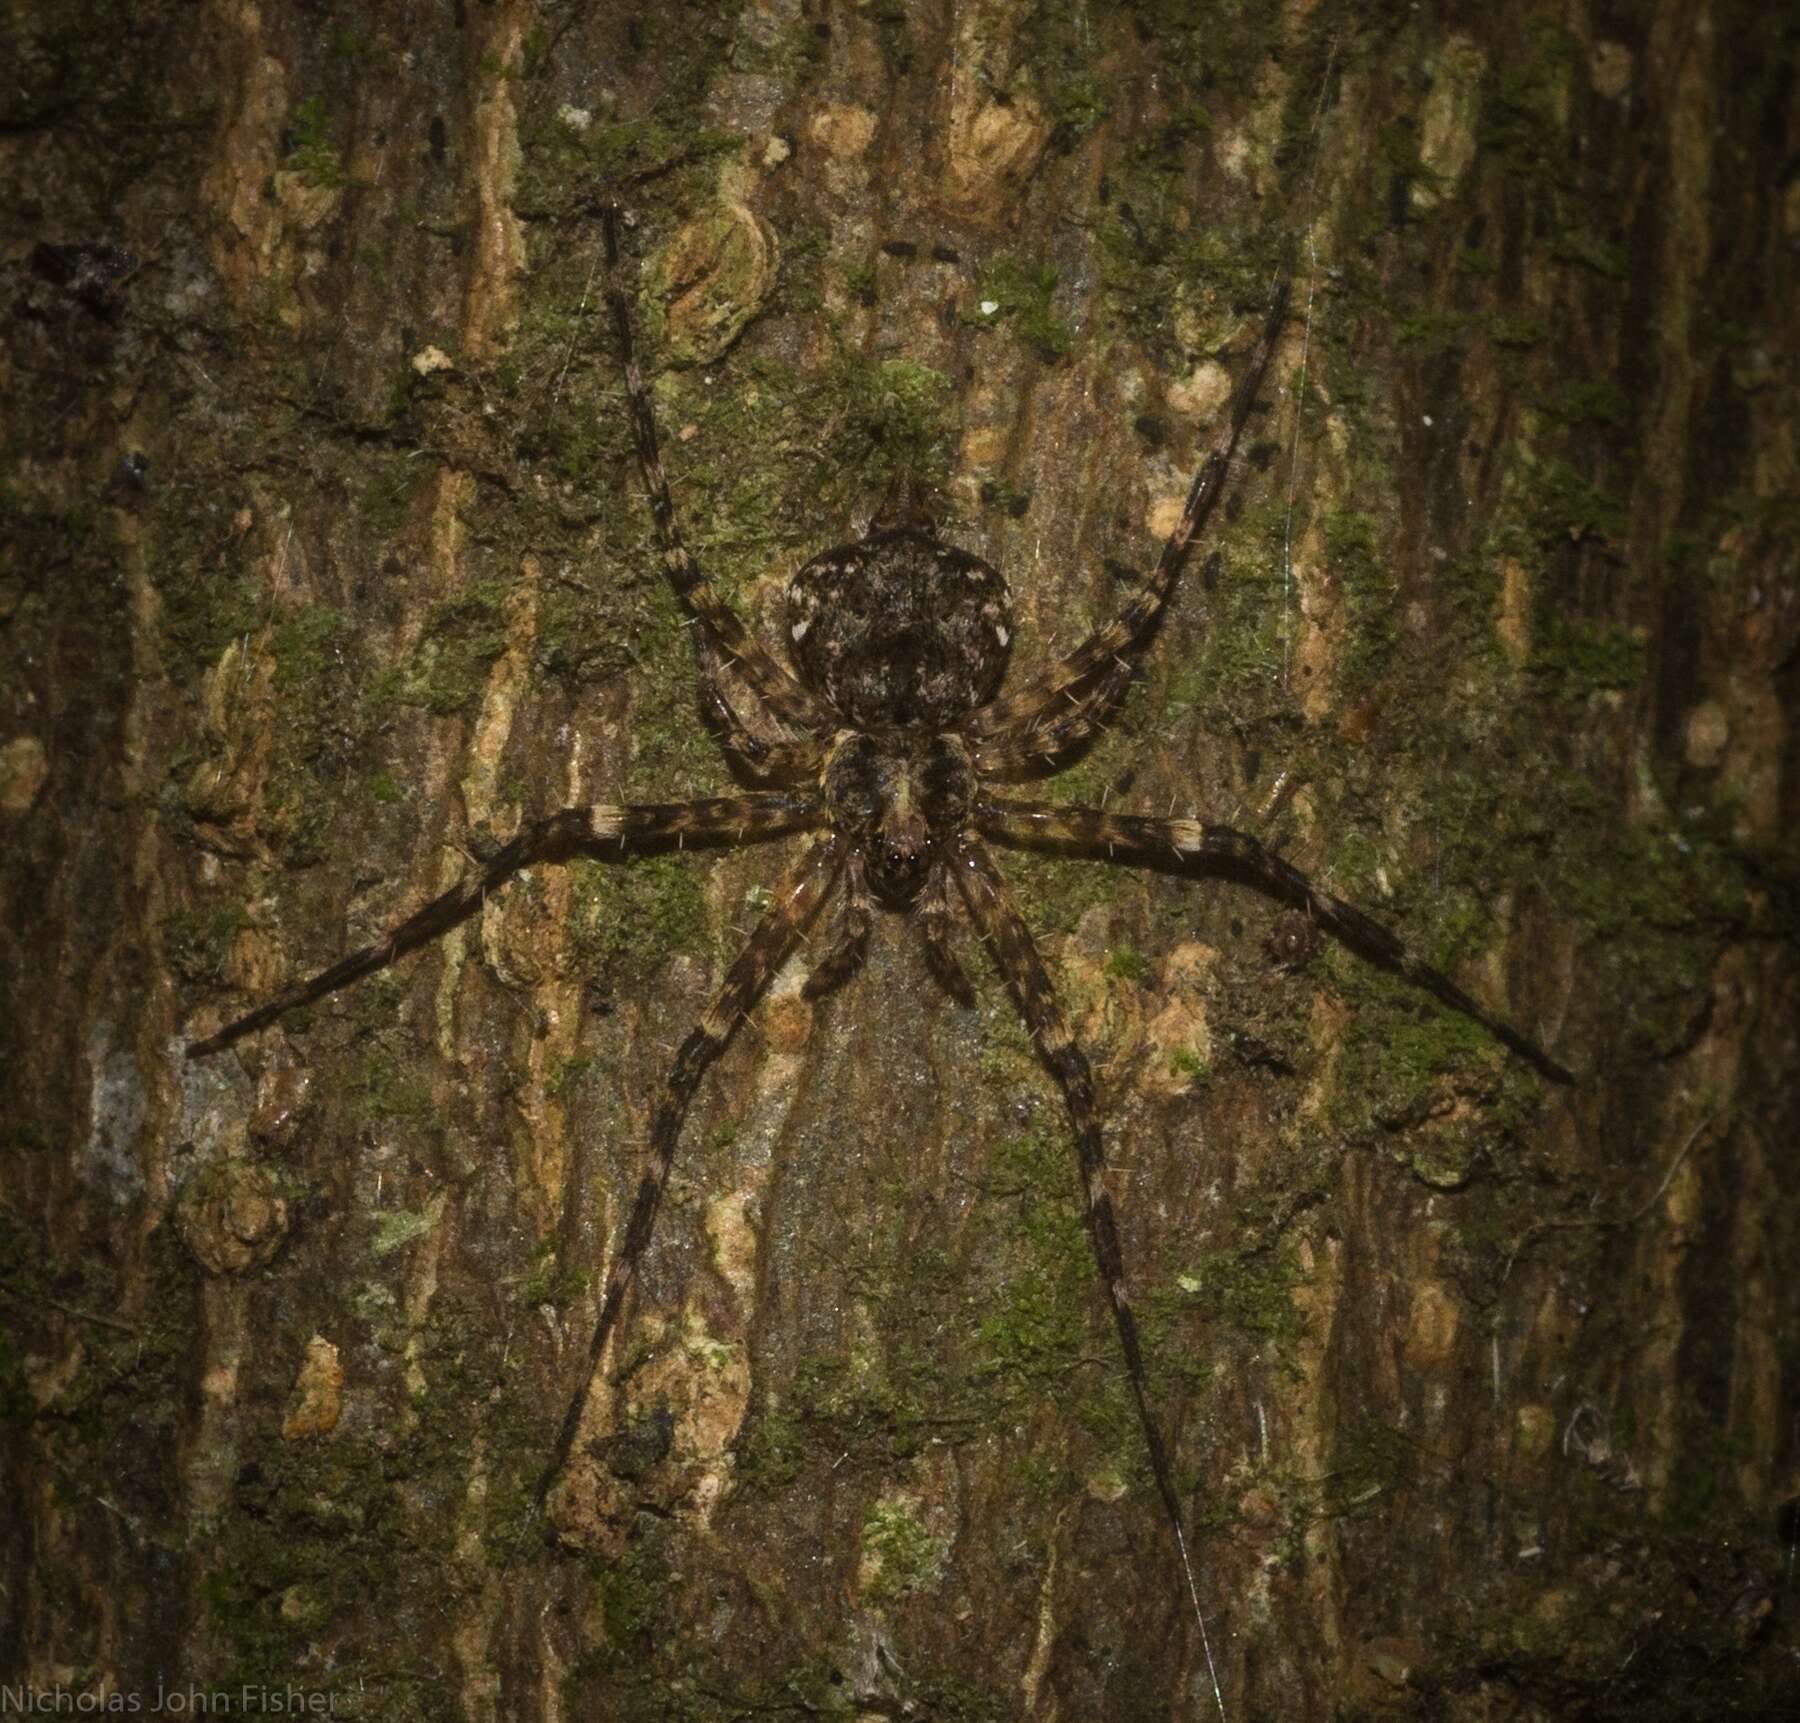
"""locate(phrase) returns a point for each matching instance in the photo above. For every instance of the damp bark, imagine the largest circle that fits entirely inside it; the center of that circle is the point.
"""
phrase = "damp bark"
(325, 565)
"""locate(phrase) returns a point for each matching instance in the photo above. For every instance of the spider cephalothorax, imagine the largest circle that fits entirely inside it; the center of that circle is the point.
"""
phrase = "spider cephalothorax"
(881, 741)
(899, 799)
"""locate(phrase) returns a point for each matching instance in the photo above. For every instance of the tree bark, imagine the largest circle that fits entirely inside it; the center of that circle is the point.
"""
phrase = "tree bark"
(326, 565)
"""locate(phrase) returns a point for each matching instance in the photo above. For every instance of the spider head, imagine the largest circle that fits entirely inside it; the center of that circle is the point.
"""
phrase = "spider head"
(898, 799)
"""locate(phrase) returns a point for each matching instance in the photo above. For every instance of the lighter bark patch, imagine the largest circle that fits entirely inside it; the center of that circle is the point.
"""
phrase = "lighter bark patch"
(23, 768)
(1432, 1327)
(1447, 124)
(714, 275)
(318, 1398)
(232, 1217)
(842, 129)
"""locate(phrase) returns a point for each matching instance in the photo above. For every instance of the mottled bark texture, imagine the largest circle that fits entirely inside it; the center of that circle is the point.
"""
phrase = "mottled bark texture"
(326, 566)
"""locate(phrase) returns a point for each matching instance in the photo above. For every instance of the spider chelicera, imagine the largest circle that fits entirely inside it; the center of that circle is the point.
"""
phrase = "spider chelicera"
(883, 741)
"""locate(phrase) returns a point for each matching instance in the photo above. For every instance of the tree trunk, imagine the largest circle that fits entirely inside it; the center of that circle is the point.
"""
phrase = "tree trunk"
(327, 565)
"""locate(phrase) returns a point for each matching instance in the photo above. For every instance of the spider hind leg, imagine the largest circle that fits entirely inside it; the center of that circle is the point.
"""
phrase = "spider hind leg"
(797, 900)
(990, 904)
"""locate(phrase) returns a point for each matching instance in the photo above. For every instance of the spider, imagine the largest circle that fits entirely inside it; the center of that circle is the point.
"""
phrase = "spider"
(882, 737)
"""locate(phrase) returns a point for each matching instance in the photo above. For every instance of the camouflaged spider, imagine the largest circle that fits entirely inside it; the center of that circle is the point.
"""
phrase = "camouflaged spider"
(883, 740)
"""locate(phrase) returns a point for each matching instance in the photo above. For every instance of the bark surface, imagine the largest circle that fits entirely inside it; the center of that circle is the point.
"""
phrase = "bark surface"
(324, 565)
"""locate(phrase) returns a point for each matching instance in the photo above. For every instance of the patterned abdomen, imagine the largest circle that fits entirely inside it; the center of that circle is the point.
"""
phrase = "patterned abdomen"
(900, 630)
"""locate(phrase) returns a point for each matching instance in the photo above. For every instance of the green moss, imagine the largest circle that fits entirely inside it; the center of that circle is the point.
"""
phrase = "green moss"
(1568, 508)
(381, 1090)
(892, 421)
(1054, 894)
(629, 921)
(1022, 295)
(1590, 251)
(197, 942)
(393, 1229)
(551, 1281)
(1516, 330)
(1251, 1289)
(447, 669)
(1523, 101)
(1370, 1460)
(1573, 660)
(566, 1070)
(1353, 552)
(899, 1553)
(1592, 401)
(1397, 1051)
(771, 1452)
(311, 153)
(205, 602)
(1127, 963)
(315, 1528)
(319, 735)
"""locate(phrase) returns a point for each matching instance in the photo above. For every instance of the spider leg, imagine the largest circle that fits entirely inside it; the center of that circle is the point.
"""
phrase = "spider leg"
(796, 902)
(1032, 750)
(850, 939)
(785, 697)
(767, 757)
(990, 904)
(933, 917)
(1011, 724)
(604, 830)
(1179, 845)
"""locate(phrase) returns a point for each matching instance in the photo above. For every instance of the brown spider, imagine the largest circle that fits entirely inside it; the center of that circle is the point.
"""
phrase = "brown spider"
(883, 740)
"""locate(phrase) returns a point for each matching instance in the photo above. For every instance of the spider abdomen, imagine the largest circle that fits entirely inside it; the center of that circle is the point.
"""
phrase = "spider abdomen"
(900, 631)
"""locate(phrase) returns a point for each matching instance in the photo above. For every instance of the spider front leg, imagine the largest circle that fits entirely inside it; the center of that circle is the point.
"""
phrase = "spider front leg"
(984, 890)
(1182, 844)
(1008, 731)
(606, 831)
(796, 902)
(722, 626)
